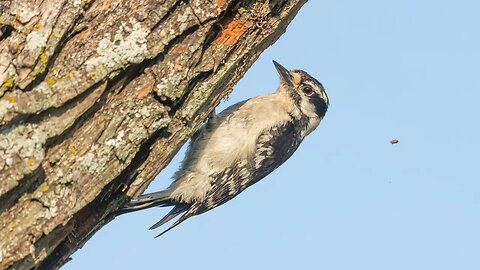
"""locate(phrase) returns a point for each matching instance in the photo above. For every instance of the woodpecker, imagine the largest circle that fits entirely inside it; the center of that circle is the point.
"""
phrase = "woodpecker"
(240, 146)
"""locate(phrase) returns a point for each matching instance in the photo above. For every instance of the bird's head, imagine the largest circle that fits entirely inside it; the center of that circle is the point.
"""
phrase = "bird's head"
(307, 93)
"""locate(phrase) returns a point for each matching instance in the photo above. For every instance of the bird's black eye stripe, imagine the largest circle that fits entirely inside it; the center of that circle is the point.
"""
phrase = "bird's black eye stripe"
(319, 103)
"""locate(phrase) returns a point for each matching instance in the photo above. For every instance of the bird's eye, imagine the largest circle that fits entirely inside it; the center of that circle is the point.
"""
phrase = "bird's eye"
(307, 90)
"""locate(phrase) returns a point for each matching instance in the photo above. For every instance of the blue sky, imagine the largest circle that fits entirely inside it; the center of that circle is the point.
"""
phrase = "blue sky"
(347, 199)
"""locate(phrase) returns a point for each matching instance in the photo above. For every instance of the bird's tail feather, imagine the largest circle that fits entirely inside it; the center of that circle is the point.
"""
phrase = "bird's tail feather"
(145, 201)
(180, 220)
(161, 198)
(178, 209)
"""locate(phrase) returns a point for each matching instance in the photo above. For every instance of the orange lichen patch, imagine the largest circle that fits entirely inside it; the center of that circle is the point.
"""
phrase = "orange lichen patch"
(37, 25)
(231, 32)
(11, 99)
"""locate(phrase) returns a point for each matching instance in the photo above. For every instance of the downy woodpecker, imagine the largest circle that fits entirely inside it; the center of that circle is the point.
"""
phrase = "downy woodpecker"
(240, 146)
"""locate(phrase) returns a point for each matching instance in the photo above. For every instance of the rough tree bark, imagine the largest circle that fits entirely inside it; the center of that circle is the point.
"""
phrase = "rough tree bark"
(97, 96)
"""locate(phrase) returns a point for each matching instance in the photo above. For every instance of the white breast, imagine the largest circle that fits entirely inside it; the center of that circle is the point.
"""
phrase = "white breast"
(232, 138)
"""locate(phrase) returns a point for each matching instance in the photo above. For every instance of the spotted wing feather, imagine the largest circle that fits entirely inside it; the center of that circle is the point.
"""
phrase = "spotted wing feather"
(273, 147)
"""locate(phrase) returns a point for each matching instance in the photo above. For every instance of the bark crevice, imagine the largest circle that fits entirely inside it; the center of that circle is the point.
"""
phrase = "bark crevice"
(28, 184)
(96, 97)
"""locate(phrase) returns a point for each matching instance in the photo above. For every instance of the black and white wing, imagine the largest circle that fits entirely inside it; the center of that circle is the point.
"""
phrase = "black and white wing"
(273, 147)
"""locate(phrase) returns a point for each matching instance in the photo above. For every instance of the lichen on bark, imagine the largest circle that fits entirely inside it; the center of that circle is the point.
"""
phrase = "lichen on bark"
(97, 96)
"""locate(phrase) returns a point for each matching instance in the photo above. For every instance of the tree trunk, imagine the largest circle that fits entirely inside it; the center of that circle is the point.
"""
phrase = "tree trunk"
(97, 96)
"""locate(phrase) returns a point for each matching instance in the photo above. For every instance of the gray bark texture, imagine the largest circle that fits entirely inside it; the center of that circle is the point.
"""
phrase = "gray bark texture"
(96, 97)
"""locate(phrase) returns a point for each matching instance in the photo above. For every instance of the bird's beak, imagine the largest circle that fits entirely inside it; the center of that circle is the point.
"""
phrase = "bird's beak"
(284, 73)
